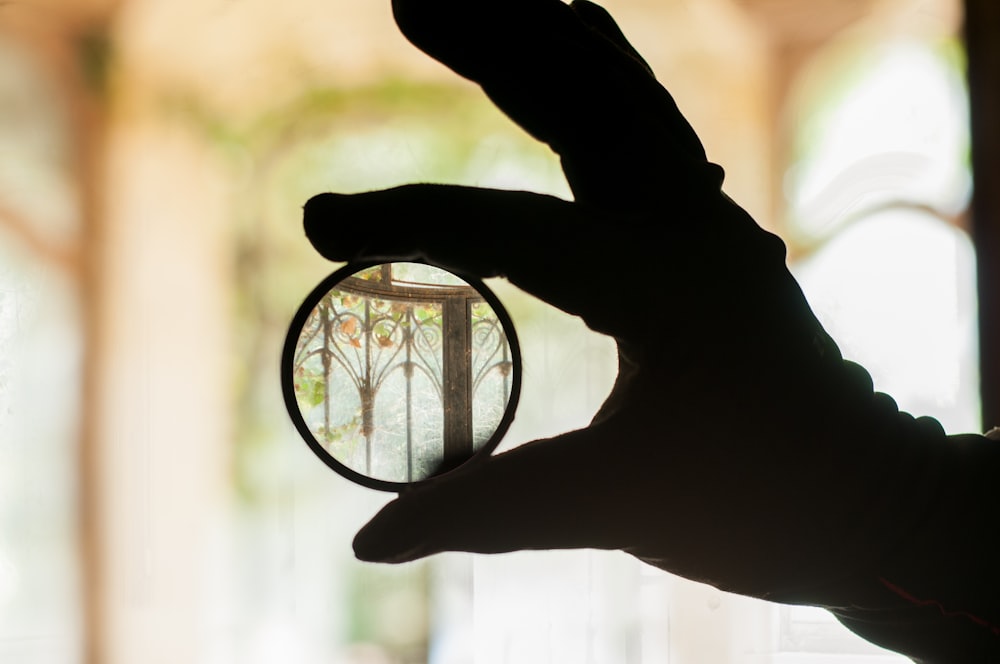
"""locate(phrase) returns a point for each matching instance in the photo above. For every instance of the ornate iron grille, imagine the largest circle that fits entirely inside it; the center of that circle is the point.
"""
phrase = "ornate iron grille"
(398, 378)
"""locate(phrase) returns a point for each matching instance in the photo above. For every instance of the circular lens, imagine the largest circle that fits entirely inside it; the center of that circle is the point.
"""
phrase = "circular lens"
(394, 373)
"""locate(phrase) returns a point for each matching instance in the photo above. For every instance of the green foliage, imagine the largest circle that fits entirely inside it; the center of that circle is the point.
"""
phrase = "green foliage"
(482, 310)
(95, 53)
(310, 389)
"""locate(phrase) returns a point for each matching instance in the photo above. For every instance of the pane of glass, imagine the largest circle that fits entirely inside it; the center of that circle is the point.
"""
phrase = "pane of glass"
(418, 273)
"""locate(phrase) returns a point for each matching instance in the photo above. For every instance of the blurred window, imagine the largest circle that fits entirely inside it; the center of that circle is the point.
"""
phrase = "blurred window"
(40, 371)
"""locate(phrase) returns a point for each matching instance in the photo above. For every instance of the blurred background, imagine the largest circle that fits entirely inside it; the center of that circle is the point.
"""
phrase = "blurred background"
(156, 504)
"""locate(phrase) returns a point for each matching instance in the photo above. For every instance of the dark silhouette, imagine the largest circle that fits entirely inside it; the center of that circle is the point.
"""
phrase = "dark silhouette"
(739, 448)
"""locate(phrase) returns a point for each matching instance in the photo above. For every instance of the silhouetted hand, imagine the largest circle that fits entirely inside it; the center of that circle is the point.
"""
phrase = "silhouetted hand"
(737, 447)
(723, 451)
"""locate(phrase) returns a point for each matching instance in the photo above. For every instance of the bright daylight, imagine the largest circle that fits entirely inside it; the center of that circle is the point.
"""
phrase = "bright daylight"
(157, 503)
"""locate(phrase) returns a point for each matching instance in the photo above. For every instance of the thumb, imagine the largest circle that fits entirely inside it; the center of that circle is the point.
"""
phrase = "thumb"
(559, 493)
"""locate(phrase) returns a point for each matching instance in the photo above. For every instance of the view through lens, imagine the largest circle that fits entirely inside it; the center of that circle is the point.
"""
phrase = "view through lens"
(401, 371)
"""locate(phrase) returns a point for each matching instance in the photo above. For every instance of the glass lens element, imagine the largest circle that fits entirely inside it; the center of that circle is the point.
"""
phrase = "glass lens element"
(398, 372)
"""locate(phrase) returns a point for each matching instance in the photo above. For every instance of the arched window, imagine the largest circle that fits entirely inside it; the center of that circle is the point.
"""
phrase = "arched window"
(877, 196)
(877, 200)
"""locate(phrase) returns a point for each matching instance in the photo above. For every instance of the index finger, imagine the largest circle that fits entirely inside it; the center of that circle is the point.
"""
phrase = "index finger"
(546, 246)
(568, 78)
(576, 257)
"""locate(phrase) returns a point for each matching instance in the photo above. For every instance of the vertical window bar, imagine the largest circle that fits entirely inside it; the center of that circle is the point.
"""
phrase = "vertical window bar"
(457, 390)
(325, 353)
(408, 373)
(368, 390)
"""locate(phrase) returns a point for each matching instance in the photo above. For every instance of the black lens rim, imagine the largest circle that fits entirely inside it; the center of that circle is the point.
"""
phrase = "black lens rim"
(288, 378)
